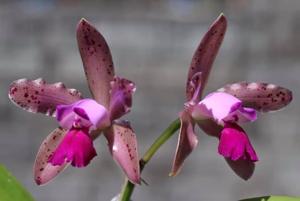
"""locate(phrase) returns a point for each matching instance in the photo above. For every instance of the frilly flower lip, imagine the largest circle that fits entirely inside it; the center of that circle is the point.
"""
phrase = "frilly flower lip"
(235, 144)
(222, 108)
(76, 147)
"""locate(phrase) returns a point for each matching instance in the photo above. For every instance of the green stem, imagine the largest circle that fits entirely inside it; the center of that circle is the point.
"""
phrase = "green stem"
(128, 187)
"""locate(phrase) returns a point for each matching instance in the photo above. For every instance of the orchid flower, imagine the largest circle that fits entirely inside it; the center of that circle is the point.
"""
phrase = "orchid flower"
(221, 113)
(82, 119)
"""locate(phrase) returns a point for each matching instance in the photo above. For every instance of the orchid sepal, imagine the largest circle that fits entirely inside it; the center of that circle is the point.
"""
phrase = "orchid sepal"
(122, 144)
(205, 54)
(97, 61)
(42, 170)
(187, 142)
(242, 168)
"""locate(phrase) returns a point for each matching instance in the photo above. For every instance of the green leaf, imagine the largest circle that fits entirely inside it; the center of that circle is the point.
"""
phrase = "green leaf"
(272, 198)
(11, 189)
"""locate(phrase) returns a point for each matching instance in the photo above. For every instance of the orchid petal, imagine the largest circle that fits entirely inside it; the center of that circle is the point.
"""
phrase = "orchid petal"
(187, 141)
(262, 97)
(243, 168)
(44, 171)
(97, 61)
(123, 147)
(222, 107)
(206, 52)
(76, 147)
(39, 97)
(121, 97)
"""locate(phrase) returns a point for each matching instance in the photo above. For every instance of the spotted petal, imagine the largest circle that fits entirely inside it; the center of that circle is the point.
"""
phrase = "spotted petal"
(263, 97)
(121, 97)
(187, 141)
(97, 61)
(44, 171)
(38, 96)
(123, 147)
(206, 52)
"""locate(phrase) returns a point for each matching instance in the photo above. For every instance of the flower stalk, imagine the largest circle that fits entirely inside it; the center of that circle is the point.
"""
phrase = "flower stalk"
(128, 187)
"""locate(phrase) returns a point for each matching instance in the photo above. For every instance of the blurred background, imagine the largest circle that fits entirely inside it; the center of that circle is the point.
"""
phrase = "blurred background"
(152, 43)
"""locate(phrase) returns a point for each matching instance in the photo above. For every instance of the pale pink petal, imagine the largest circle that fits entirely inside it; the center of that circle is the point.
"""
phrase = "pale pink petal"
(217, 105)
(206, 52)
(76, 147)
(38, 96)
(121, 97)
(262, 97)
(243, 168)
(123, 147)
(235, 144)
(90, 110)
(187, 141)
(44, 171)
(86, 112)
(97, 61)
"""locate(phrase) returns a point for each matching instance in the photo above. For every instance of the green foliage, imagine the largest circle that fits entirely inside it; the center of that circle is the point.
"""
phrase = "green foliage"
(11, 189)
(272, 198)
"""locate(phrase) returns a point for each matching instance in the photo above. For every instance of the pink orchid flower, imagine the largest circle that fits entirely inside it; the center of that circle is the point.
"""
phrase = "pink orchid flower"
(220, 113)
(82, 120)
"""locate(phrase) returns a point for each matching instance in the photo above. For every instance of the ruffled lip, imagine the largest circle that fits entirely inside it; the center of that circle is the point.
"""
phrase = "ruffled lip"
(76, 147)
(235, 144)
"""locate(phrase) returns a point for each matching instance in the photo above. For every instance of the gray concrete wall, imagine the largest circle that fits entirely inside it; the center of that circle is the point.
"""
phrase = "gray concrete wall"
(152, 43)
